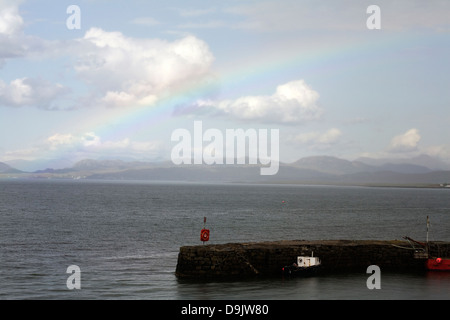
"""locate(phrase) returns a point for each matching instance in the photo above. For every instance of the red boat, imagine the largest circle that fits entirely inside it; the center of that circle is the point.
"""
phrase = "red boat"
(438, 264)
(431, 263)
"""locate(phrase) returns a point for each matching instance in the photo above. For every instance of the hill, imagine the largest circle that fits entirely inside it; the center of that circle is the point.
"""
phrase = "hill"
(310, 170)
(4, 168)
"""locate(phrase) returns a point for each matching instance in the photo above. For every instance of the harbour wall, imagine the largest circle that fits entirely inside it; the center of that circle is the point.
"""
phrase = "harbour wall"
(267, 258)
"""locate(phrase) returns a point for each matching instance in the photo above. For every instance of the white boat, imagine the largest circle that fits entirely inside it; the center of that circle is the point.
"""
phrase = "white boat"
(305, 265)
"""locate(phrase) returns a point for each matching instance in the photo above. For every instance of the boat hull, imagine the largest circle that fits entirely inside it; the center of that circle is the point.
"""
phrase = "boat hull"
(293, 271)
(438, 264)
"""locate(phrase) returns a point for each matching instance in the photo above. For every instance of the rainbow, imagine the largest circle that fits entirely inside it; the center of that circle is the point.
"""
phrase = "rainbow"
(322, 61)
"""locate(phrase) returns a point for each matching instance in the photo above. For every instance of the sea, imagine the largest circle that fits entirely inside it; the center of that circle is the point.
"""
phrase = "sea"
(124, 237)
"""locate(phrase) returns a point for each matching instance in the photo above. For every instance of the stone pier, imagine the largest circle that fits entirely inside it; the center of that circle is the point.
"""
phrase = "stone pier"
(267, 258)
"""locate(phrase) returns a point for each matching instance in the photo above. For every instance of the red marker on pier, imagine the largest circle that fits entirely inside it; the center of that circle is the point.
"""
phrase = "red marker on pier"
(204, 234)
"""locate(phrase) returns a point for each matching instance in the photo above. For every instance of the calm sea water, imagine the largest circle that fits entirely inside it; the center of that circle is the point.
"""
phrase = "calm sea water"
(125, 237)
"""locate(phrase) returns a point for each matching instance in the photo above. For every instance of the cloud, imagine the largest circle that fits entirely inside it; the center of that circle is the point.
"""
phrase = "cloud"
(293, 15)
(439, 151)
(196, 12)
(127, 71)
(408, 145)
(407, 142)
(14, 43)
(90, 139)
(316, 138)
(119, 71)
(30, 92)
(204, 18)
(316, 141)
(59, 139)
(11, 23)
(86, 145)
(208, 24)
(346, 15)
(145, 21)
(90, 145)
(292, 103)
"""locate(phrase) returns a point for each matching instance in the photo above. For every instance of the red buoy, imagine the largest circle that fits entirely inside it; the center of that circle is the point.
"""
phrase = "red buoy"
(204, 235)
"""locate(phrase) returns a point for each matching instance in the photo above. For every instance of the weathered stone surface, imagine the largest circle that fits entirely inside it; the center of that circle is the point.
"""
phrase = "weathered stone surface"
(267, 258)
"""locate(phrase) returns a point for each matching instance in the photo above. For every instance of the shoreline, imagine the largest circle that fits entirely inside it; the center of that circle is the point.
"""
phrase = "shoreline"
(44, 176)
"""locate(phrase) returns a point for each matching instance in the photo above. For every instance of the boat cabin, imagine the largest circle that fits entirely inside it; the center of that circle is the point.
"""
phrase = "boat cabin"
(306, 261)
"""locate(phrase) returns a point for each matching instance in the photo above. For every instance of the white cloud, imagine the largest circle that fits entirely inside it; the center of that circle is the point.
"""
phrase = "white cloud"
(407, 145)
(120, 71)
(14, 43)
(11, 23)
(316, 138)
(407, 142)
(59, 139)
(293, 102)
(23, 154)
(90, 139)
(87, 145)
(30, 92)
(439, 151)
(90, 145)
(315, 142)
(128, 71)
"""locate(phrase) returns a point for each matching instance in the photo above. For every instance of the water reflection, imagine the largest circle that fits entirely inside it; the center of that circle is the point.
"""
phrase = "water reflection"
(339, 286)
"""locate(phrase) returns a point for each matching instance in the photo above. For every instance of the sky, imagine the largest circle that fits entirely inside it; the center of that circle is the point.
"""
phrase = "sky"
(114, 79)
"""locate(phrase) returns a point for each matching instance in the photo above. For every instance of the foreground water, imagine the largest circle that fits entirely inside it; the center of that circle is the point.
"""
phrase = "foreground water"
(125, 237)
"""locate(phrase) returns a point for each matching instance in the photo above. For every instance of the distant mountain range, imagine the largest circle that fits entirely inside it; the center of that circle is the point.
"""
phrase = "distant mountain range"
(419, 171)
(4, 168)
